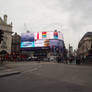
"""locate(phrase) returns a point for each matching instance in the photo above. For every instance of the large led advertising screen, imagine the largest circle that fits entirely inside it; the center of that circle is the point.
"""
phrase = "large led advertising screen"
(48, 35)
(41, 43)
(37, 35)
(57, 43)
(60, 36)
(41, 39)
(27, 44)
(27, 40)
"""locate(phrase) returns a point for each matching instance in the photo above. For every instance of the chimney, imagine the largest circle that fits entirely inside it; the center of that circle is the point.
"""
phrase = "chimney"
(5, 19)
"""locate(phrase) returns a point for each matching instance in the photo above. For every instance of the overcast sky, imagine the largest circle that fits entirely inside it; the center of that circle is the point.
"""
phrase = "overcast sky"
(72, 17)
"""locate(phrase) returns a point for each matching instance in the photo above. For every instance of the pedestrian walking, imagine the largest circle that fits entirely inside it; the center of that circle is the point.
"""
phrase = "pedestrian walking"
(77, 60)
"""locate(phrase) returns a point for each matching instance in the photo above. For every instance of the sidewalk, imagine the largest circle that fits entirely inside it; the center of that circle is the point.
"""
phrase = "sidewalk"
(6, 70)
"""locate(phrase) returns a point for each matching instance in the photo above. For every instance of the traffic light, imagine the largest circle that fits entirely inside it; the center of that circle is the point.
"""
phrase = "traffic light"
(1, 35)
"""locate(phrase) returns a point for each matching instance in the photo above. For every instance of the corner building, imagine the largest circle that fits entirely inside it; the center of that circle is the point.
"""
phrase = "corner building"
(5, 46)
(85, 46)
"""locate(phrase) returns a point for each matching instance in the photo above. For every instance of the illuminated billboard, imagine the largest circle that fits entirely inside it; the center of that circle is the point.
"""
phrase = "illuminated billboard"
(54, 43)
(41, 39)
(44, 35)
(37, 35)
(57, 43)
(60, 36)
(50, 35)
(27, 44)
(27, 37)
(55, 35)
(27, 40)
(41, 43)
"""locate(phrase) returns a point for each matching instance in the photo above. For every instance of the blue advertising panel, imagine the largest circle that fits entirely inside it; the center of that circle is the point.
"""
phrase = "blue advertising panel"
(27, 40)
(27, 44)
(56, 43)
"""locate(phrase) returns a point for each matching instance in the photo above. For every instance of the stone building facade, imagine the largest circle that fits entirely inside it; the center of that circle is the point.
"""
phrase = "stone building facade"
(5, 46)
(85, 45)
(16, 40)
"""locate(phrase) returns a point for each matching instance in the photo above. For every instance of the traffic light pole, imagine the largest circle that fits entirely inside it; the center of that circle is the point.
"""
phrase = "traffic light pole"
(1, 35)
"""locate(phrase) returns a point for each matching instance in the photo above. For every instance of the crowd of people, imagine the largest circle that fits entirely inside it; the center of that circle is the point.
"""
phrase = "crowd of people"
(76, 60)
(12, 57)
(72, 60)
(66, 60)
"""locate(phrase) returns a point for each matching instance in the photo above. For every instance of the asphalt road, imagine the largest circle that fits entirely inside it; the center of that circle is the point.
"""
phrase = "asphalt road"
(48, 77)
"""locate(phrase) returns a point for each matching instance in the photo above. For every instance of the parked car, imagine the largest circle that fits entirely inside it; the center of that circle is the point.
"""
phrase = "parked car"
(29, 58)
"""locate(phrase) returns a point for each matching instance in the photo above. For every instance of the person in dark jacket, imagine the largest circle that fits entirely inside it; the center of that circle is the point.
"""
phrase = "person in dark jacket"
(77, 60)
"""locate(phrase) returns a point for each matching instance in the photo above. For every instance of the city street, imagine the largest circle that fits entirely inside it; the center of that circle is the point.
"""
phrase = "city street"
(47, 77)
